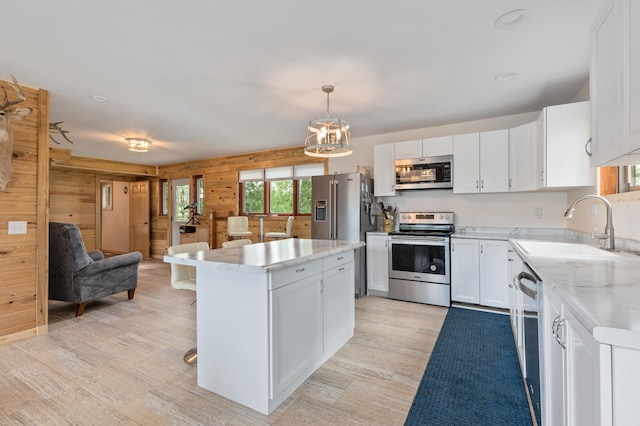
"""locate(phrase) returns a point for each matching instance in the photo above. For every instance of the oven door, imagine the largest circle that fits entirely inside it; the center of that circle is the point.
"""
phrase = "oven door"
(424, 259)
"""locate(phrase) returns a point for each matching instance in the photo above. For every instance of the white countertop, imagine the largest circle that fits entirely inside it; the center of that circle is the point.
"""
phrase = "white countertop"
(603, 293)
(264, 257)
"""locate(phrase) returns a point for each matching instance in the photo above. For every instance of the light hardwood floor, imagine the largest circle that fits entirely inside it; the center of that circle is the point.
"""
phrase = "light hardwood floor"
(121, 364)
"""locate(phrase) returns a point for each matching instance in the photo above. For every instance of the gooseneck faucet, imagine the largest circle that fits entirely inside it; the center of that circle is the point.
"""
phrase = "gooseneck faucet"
(608, 230)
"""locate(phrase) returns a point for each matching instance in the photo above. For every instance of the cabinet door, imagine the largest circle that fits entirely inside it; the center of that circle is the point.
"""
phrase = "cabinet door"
(437, 146)
(384, 170)
(553, 363)
(378, 263)
(465, 283)
(494, 161)
(567, 133)
(583, 375)
(631, 79)
(494, 273)
(338, 306)
(523, 158)
(605, 87)
(466, 164)
(297, 334)
(408, 149)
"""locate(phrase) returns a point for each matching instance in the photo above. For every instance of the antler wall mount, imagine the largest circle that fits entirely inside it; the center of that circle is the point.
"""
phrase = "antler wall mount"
(6, 135)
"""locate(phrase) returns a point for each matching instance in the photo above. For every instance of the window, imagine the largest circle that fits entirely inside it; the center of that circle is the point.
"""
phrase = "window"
(199, 193)
(633, 177)
(281, 196)
(278, 190)
(616, 180)
(182, 201)
(164, 197)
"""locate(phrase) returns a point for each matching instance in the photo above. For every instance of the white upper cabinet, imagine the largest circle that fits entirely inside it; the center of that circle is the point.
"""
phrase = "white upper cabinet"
(481, 162)
(563, 135)
(424, 148)
(408, 149)
(615, 84)
(384, 170)
(523, 164)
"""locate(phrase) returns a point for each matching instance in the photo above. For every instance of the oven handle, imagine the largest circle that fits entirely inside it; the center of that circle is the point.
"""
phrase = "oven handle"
(413, 239)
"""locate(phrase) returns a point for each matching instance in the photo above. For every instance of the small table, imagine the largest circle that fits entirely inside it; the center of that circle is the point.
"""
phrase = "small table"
(261, 217)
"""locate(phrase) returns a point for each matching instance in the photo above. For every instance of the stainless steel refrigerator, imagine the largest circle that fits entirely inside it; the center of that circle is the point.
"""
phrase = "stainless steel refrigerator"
(342, 210)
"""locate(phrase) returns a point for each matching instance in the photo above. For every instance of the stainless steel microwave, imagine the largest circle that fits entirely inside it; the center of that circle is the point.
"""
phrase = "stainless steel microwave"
(424, 173)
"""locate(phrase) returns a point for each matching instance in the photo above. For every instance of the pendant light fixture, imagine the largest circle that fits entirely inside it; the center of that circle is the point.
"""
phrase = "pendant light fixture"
(327, 137)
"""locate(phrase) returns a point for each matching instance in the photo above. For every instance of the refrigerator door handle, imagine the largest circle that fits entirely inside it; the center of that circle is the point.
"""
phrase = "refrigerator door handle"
(334, 209)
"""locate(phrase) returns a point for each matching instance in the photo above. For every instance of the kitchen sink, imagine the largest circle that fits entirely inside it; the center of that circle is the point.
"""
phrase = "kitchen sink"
(544, 248)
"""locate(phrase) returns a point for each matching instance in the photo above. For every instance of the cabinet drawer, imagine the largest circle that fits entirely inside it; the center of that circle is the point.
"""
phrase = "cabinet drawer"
(282, 277)
(334, 260)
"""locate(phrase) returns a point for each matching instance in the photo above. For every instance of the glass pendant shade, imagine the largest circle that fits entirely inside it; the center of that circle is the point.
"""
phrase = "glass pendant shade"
(327, 137)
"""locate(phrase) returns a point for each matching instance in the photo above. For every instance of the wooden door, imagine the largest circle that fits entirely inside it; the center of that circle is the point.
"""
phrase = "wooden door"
(139, 214)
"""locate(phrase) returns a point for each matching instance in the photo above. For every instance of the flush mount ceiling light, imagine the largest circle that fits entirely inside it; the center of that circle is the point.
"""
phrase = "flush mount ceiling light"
(511, 19)
(327, 137)
(98, 98)
(507, 75)
(138, 144)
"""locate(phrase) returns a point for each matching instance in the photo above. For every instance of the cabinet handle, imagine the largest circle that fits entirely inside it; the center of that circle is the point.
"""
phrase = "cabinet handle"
(587, 147)
(510, 185)
(300, 270)
(482, 183)
(477, 187)
(321, 286)
(481, 248)
(555, 330)
(341, 257)
(453, 247)
(341, 268)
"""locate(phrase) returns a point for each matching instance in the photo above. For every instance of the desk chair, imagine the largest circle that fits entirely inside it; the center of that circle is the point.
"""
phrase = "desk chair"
(238, 227)
(183, 277)
(285, 234)
(236, 243)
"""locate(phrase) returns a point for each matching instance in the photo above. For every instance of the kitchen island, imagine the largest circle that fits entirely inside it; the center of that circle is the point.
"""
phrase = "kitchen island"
(270, 314)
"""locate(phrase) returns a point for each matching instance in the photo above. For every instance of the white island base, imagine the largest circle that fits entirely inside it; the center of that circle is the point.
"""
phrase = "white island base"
(270, 314)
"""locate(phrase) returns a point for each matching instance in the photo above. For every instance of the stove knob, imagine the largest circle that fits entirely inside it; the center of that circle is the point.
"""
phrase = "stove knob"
(447, 217)
(441, 217)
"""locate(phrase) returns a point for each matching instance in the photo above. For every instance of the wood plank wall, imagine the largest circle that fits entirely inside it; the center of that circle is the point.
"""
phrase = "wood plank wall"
(221, 194)
(23, 257)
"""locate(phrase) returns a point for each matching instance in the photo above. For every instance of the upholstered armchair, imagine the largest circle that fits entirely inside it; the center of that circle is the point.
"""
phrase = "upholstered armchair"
(78, 276)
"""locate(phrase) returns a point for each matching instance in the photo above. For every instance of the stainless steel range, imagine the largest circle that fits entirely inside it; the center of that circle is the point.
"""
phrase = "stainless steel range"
(419, 258)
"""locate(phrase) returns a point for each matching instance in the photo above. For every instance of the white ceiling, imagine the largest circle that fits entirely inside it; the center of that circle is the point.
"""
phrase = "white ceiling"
(209, 78)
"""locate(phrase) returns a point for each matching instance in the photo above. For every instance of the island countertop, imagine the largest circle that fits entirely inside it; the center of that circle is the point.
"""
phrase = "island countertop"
(264, 257)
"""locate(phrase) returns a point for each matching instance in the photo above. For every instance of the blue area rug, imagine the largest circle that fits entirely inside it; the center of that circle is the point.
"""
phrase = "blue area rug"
(473, 376)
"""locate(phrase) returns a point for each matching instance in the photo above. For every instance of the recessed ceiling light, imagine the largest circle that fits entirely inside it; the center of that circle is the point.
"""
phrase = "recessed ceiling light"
(511, 19)
(507, 75)
(98, 98)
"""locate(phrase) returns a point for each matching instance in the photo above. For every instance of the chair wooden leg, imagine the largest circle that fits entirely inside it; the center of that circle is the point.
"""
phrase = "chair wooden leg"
(80, 309)
(130, 292)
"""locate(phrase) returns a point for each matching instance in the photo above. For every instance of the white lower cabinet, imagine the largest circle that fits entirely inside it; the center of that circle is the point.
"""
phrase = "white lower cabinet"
(480, 272)
(377, 264)
(338, 306)
(312, 318)
(297, 330)
(575, 369)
